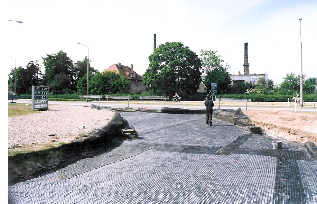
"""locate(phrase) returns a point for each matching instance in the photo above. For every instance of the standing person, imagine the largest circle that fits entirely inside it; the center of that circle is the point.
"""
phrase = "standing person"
(209, 109)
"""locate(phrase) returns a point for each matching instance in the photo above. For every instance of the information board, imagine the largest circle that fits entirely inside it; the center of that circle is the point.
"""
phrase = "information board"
(40, 97)
(214, 89)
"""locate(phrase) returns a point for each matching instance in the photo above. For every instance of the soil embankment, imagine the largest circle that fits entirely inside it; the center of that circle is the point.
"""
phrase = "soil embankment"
(293, 126)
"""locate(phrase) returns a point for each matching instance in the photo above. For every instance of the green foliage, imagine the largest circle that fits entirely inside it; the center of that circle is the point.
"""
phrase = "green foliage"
(274, 97)
(82, 84)
(60, 73)
(55, 97)
(216, 71)
(25, 78)
(262, 87)
(235, 96)
(81, 68)
(173, 68)
(102, 83)
(240, 87)
(310, 98)
(195, 97)
(309, 86)
(270, 84)
(290, 85)
(98, 84)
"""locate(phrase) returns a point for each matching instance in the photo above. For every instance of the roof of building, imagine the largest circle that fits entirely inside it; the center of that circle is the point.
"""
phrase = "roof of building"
(125, 71)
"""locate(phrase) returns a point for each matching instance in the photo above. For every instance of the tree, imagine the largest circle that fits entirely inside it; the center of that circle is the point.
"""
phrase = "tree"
(118, 84)
(22, 79)
(270, 84)
(103, 83)
(216, 71)
(33, 75)
(15, 81)
(310, 86)
(82, 84)
(290, 84)
(173, 68)
(240, 87)
(81, 68)
(60, 74)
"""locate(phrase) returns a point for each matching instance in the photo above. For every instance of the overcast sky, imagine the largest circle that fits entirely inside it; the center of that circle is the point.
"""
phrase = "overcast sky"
(122, 31)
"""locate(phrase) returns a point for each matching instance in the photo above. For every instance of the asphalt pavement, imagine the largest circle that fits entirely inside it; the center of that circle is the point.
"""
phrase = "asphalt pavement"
(178, 158)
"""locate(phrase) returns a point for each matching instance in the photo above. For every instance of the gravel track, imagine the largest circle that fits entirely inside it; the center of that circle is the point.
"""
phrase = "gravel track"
(63, 123)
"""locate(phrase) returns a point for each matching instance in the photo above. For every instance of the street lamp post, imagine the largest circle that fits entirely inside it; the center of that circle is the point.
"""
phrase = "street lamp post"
(15, 76)
(87, 67)
(15, 63)
(301, 64)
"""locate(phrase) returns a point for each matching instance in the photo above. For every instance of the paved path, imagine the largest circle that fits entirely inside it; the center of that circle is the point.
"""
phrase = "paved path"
(179, 159)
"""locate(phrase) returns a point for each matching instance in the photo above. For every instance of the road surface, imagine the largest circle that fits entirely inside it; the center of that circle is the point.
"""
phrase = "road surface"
(179, 159)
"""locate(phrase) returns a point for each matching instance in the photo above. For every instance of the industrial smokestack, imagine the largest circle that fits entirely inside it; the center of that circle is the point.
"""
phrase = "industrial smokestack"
(154, 41)
(246, 62)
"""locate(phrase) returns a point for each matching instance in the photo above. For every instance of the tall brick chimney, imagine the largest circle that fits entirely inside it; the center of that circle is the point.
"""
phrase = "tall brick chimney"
(154, 41)
(246, 62)
(131, 67)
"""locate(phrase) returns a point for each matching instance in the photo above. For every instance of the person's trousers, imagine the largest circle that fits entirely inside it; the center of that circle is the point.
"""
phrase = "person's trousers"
(209, 118)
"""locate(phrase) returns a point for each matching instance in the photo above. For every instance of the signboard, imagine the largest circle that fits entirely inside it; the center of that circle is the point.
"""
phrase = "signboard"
(213, 89)
(39, 97)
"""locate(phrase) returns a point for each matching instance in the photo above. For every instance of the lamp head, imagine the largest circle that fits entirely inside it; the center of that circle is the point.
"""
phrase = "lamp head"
(17, 21)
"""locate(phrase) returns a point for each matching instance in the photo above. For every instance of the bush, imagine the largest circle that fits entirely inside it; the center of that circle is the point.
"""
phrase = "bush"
(63, 96)
(195, 97)
(310, 98)
(103, 83)
(269, 97)
(25, 96)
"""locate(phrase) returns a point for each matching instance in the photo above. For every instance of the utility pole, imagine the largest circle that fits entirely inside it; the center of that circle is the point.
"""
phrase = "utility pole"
(154, 42)
(15, 60)
(15, 75)
(301, 64)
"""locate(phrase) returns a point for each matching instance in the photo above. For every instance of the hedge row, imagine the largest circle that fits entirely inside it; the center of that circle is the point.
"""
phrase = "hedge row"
(76, 97)
(195, 97)
(54, 97)
(270, 97)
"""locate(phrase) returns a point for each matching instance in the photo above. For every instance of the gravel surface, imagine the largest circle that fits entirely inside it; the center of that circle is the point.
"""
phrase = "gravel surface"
(59, 123)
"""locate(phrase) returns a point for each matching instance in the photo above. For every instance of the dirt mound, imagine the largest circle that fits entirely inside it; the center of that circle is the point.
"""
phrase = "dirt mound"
(299, 126)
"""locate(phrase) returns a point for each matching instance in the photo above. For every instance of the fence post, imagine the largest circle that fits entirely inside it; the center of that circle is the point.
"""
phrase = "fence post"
(246, 105)
(219, 102)
(295, 105)
(33, 89)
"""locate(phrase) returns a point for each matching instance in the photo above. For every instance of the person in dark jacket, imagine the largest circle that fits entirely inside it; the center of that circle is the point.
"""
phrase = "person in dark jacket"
(209, 109)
